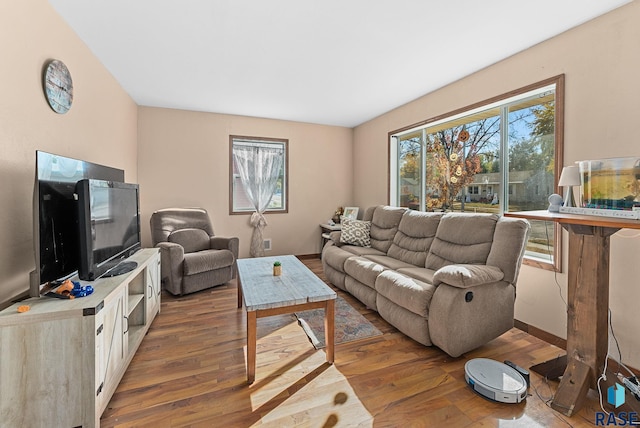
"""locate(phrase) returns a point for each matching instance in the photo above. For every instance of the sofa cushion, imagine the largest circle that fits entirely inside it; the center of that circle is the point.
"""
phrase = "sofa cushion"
(363, 270)
(464, 276)
(356, 232)
(409, 323)
(206, 260)
(422, 274)
(388, 262)
(190, 239)
(384, 225)
(410, 293)
(361, 251)
(337, 256)
(462, 238)
(364, 293)
(415, 234)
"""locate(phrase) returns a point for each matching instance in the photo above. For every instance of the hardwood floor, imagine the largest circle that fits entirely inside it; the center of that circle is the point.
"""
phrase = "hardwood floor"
(190, 371)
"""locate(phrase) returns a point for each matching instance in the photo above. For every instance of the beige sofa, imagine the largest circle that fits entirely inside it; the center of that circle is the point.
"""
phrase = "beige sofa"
(442, 279)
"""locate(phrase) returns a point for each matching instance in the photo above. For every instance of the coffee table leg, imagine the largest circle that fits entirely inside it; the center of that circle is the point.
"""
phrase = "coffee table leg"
(251, 346)
(329, 323)
(239, 292)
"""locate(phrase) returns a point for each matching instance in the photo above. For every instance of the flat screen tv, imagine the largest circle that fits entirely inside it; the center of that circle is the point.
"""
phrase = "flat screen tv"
(55, 215)
(109, 220)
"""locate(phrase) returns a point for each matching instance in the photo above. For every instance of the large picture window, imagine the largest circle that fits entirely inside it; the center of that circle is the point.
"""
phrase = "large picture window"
(497, 156)
(261, 152)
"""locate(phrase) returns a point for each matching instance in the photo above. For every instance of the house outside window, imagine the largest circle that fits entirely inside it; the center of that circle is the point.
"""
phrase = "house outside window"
(494, 157)
(239, 202)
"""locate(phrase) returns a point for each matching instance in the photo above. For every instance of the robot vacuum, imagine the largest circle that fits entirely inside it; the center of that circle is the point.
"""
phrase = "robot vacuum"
(495, 381)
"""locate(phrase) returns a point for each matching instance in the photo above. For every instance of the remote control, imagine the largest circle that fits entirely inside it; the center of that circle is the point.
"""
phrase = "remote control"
(523, 372)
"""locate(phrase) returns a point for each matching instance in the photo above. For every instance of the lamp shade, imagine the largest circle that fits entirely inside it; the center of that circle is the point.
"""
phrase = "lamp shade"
(570, 176)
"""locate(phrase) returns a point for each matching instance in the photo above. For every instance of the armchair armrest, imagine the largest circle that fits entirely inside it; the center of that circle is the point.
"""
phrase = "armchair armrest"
(171, 258)
(176, 251)
(221, 243)
(465, 276)
(231, 244)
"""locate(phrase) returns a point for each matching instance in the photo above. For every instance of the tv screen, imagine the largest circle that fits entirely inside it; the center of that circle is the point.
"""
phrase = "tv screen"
(109, 220)
(55, 215)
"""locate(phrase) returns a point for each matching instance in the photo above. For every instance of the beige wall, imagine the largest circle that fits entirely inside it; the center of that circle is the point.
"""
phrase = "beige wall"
(600, 60)
(184, 162)
(100, 127)
(182, 157)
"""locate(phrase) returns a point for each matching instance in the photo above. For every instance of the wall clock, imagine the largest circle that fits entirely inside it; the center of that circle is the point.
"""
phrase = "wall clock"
(58, 87)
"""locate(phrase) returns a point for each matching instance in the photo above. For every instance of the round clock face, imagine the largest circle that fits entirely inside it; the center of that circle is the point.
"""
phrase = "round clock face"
(58, 86)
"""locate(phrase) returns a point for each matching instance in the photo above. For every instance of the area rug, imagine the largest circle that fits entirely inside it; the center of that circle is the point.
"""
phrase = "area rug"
(349, 324)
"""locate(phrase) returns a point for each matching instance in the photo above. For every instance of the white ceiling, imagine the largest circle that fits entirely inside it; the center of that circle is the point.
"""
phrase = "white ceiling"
(335, 62)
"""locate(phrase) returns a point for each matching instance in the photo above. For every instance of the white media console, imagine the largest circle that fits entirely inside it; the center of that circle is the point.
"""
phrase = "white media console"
(62, 360)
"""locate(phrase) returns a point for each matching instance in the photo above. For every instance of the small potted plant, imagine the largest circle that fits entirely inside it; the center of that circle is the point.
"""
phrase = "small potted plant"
(277, 269)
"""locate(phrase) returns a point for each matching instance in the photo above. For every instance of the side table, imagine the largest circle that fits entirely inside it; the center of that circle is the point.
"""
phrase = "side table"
(326, 229)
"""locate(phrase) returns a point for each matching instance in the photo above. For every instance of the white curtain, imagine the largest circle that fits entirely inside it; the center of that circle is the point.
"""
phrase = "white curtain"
(259, 168)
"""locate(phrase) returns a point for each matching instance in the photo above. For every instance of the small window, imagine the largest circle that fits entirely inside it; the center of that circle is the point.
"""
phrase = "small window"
(240, 201)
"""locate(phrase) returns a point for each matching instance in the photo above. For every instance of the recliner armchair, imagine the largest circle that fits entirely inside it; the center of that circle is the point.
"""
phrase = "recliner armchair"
(192, 257)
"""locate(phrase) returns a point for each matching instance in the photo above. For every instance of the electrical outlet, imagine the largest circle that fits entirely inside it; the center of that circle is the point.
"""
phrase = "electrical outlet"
(266, 244)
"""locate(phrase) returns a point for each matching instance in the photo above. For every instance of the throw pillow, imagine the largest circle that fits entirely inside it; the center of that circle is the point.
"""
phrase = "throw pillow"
(356, 232)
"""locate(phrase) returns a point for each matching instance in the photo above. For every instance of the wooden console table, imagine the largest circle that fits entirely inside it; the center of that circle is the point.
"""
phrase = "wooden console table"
(588, 304)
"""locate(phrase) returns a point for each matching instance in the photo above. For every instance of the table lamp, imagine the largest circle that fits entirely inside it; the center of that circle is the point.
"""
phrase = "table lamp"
(570, 177)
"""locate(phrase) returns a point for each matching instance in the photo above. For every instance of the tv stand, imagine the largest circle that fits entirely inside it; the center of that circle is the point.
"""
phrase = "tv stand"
(120, 269)
(63, 359)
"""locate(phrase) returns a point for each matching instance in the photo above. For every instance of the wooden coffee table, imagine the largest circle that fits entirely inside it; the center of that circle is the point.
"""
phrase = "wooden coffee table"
(265, 295)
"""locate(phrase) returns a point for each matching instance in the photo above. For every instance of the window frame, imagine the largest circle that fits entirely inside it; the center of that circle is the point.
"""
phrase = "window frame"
(285, 184)
(558, 81)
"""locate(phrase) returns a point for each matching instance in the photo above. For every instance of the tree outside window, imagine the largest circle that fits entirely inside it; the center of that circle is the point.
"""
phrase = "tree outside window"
(493, 158)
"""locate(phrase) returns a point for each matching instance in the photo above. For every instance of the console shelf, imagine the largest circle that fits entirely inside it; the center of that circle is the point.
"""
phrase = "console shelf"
(63, 359)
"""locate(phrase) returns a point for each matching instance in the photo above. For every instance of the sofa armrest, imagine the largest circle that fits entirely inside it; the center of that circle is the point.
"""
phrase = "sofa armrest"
(462, 319)
(465, 276)
(171, 258)
(335, 238)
